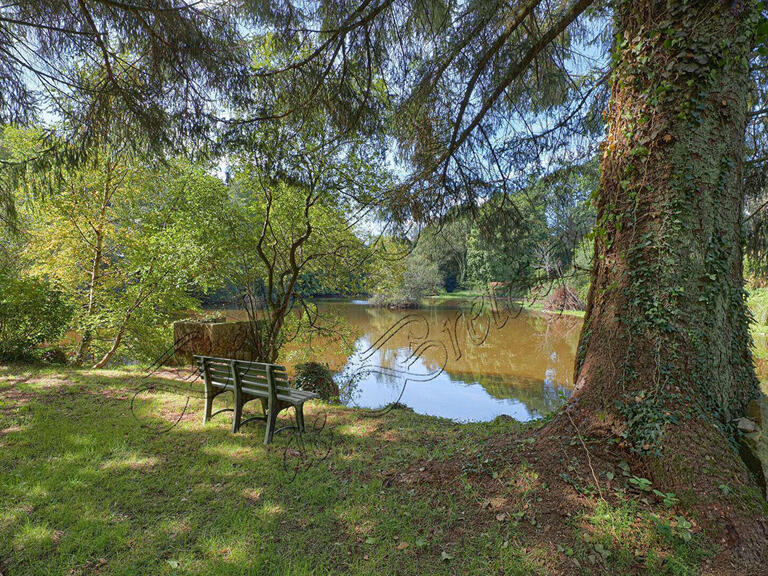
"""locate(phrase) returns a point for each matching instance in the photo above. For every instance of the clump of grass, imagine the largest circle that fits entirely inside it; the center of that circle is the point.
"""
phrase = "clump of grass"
(624, 535)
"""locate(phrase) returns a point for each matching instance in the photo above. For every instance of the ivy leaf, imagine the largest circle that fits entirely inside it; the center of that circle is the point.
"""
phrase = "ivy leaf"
(762, 30)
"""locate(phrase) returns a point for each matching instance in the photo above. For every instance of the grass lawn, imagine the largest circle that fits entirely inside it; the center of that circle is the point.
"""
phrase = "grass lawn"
(455, 295)
(89, 487)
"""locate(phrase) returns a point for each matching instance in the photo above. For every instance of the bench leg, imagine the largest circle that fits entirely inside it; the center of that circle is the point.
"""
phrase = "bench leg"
(238, 412)
(300, 417)
(271, 422)
(208, 405)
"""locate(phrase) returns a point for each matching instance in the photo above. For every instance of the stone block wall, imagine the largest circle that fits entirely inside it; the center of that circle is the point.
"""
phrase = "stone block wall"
(210, 338)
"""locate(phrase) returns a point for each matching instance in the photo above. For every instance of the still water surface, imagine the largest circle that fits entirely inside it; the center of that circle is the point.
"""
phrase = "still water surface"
(454, 360)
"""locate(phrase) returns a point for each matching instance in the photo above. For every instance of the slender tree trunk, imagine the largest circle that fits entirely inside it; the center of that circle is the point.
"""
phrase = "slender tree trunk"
(664, 356)
(115, 343)
(143, 294)
(96, 263)
(85, 340)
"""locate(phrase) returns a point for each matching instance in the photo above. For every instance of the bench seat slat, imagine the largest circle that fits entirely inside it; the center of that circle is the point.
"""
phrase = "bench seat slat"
(255, 365)
(250, 376)
(282, 395)
(222, 383)
(258, 371)
(290, 395)
(263, 383)
(260, 368)
(256, 384)
(245, 373)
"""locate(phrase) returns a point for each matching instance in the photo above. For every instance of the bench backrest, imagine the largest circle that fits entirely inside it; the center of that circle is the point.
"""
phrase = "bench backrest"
(259, 376)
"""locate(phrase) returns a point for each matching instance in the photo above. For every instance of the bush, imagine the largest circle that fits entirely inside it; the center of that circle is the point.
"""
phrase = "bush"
(407, 284)
(758, 305)
(580, 276)
(32, 313)
(316, 377)
(53, 355)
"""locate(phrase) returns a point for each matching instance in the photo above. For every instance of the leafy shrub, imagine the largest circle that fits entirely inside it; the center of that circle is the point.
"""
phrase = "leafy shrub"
(408, 282)
(316, 377)
(148, 342)
(53, 355)
(32, 313)
(758, 305)
(580, 271)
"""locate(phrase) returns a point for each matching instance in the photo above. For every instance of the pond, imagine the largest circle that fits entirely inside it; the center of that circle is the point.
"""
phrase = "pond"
(467, 361)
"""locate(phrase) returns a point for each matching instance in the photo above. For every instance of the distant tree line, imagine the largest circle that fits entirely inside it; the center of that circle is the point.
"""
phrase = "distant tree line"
(520, 241)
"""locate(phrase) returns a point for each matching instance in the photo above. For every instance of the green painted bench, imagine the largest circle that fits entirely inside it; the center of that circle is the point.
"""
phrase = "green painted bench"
(250, 381)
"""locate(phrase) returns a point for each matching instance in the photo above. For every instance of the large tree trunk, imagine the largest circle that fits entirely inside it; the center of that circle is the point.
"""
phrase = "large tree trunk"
(664, 358)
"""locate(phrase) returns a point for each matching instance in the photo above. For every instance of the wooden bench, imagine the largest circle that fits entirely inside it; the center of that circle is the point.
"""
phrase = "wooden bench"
(250, 381)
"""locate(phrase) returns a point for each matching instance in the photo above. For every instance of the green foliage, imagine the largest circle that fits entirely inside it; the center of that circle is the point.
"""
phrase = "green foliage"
(32, 313)
(642, 484)
(283, 241)
(622, 535)
(647, 415)
(421, 278)
(507, 242)
(668, 498)
(316, 377)
(445, 245)
(402, 275)
(123, 239)
(129, 241)
(517, 238)
(757, 301)
(579, 277)
(161, 62)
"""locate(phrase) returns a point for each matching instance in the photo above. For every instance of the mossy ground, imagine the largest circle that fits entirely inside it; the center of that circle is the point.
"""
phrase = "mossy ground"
(88, 486)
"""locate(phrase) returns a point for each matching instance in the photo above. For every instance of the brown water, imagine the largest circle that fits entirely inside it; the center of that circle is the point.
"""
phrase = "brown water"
(458, 361)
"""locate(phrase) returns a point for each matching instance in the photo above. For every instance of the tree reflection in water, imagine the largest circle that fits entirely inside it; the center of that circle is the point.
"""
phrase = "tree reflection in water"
(468, 362)
(473, 369)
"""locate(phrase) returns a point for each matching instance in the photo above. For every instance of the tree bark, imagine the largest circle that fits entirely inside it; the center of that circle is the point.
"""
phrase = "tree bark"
(664, 356)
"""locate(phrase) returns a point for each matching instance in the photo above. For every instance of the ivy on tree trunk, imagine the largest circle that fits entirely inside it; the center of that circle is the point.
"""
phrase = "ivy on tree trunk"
(666, 332)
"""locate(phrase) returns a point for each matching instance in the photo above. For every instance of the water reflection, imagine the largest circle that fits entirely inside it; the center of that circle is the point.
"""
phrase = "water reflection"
(468, 364)
(461, 397)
